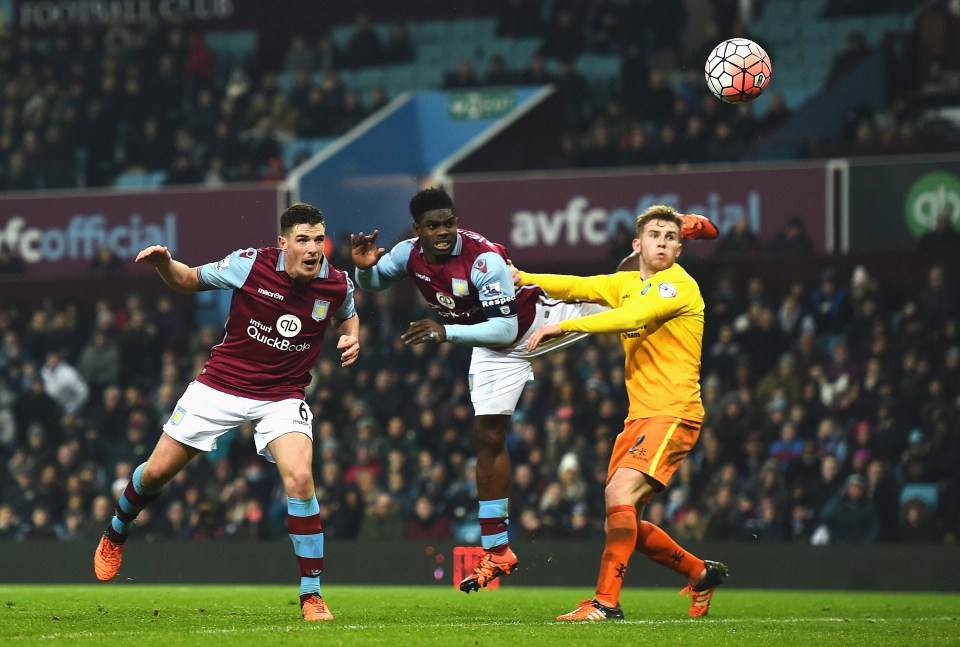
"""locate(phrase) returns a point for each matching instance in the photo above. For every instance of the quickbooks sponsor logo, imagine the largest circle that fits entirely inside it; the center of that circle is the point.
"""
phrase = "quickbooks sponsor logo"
(934, 193)
(84, 235)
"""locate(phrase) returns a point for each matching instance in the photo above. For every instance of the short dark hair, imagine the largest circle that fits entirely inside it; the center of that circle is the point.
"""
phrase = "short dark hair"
(430, 200)
(299, 213)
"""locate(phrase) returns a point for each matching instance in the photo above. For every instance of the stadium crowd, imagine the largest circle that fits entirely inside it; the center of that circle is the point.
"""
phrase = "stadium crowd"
(81, 107)
(832, 416)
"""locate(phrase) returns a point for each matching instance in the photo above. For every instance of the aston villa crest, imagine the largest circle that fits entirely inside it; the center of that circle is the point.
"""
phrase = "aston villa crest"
(320, 309)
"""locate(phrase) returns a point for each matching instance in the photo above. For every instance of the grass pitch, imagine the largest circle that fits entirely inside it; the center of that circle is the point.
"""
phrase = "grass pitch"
(127, 614)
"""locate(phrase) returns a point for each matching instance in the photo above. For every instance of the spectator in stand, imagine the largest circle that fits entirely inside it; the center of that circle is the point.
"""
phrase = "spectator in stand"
(830, 306)
(776, 115)
(497, 72)
(792, 239)
(64, 384)
(10, 261)
(849, 516)
(399, 47)
(364, 47)
(299, 57)
(918, 524)
(536, 72)
(463, 77)
(382, 520)
(426, 522)
(944, 235)
(739, 239)
(853, 54)
(564, 38)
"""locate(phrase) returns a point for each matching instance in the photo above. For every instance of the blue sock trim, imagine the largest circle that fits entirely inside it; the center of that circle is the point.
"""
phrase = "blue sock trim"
(308, 545)
(493, 509)
(121, 527)
(492, 541)
(138, 484)
(303, 507)
(310, 585)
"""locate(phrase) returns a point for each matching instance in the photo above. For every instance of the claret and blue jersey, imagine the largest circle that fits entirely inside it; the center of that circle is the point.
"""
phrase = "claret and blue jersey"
(274, 330)
(472, 286)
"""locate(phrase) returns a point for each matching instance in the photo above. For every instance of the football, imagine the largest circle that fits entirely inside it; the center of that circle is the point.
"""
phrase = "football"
(737, 70)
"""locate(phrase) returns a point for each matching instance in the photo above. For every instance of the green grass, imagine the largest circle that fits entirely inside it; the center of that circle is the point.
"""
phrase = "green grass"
(126, 614)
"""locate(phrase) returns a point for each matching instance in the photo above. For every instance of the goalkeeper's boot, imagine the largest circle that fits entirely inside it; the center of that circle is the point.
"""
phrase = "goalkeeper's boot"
(107, 558)
(492, 565)
(315, 609)
(697, 227)
(593, 610)
(701, 594)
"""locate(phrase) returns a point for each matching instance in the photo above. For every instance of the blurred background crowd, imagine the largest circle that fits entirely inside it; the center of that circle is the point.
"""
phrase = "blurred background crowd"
(84, 107)
(831, 417)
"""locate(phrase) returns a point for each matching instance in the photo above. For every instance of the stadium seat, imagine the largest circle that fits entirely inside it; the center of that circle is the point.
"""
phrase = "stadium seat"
(134, 180)
(428, 32)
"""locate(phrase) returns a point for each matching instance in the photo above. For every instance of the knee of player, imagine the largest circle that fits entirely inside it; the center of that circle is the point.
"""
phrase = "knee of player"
(299, 483)
(628, 487)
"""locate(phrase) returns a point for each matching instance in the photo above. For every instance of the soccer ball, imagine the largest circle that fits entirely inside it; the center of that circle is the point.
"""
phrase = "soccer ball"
(737, 70)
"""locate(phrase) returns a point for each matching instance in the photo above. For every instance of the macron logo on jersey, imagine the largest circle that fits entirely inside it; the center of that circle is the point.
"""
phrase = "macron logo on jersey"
(268, 293)
(422, 277)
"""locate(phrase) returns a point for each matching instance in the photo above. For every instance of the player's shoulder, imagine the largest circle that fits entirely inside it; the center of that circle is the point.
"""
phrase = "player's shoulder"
(677, 273)
(675, 281)
(473, 239)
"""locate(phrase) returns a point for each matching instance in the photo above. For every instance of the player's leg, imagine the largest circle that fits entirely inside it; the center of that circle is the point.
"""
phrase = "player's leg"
(201, 416)
(636, 452)
(292, 451)
(676, 437)
(625, 488)
(496, 382)
(167, 459)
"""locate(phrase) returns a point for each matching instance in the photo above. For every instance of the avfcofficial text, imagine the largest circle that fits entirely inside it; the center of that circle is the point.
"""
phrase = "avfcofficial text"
(84, 235)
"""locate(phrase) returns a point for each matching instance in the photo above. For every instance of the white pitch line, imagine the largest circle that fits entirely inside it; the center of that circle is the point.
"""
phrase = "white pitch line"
(469, 625)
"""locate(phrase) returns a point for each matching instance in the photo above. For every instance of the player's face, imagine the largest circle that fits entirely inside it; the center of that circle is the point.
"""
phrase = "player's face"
(437, 232)
(303, 247)
(658, 246)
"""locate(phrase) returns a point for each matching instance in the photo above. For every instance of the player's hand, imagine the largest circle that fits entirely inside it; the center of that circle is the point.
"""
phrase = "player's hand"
(514, 274)
(424, 331)
(350, 346)
(546, 332)
(364, 250)
(155, 255)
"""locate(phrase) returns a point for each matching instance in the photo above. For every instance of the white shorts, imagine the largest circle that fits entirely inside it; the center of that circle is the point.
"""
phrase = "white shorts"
(203, 414)
(497, 377)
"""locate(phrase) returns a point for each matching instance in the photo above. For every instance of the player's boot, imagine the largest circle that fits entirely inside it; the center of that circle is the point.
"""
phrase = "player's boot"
(107, 558)
(697, 227)
(492, 565)
(701, 594)
(315, 609)
(593, 610)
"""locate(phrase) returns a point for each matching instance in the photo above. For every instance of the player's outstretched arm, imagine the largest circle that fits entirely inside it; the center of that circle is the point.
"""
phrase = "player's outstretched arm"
(364, 250)
(697, 227)
(176, 275)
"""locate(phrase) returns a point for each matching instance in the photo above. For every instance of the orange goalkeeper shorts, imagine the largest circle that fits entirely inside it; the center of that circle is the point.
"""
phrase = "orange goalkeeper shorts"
(655, 446)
